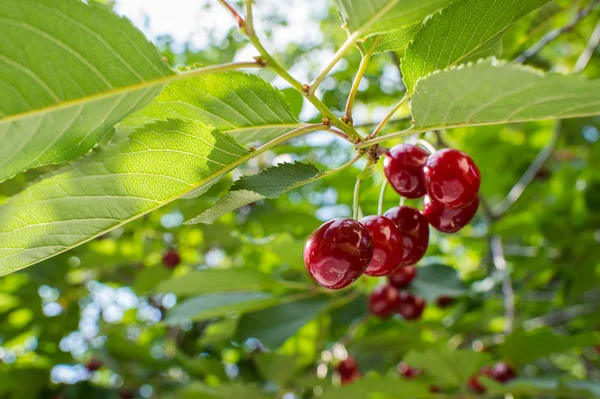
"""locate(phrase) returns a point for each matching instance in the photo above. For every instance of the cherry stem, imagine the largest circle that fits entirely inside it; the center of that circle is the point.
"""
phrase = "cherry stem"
(381, 197)
(364, 63)
(387, 118)
(356, 199)
(401, 203)
(426, 145)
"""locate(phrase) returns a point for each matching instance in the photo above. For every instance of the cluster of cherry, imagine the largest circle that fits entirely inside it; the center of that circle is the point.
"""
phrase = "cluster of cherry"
(501, 372)
(342, 250)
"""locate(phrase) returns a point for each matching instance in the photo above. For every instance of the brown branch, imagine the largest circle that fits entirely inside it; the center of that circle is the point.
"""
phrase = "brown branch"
(238, 18)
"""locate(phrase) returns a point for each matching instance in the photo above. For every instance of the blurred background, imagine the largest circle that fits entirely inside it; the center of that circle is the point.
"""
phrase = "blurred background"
(252, 331)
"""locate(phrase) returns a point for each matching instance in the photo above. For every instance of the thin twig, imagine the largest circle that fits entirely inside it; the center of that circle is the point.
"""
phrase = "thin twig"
(240, 20)
(537, 164)
(590, 48)
(387, 118)
(364, 63)
(554, 34)
(507, 288)
(561, 316)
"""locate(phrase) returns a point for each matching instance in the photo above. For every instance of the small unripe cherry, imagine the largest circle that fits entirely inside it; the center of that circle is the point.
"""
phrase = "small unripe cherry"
(338, 253)
(452, 178)
(403, 167)
(449, 220)
(403, 276)
(387, 244)
(384, 301)
(414, 229)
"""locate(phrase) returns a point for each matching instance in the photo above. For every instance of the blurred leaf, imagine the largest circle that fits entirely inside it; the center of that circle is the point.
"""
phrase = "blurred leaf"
(149, 277)
(434, 281)
(219, 332)
(275, 367)
(201, 367)
(391, 388)
(216, 280)
(197, 390)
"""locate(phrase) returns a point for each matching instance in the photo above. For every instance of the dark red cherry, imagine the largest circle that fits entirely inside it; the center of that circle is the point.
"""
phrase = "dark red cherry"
(384, 301)
(475, 385)
(411, 306)
(502, 372)
(414, 230)
(444, 301)
(403, 276)
(171, 259)
(348, 367)
(387, 243)
(403, 167)
(127, 393)
(449, 220)
(452, 178)
(406, 371)
(351, 378)
(338, 252)
(93, 365)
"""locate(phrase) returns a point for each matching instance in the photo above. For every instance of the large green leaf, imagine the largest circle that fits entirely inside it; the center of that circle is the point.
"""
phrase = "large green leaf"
(387, 388)
(269, 183)
(242, 105)
(466, 30)
(369, 17)
(434, 281)
(392, 41)
(68, 72)
(493, 92)
(161, 162)
(215, 280)
(448, 367)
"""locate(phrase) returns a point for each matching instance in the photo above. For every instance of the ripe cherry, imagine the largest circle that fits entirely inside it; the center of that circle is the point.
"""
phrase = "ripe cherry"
(414, 230)
(444, 301)
(348, 366)
(387, 242)
(348, 379)
(171, 259)
(338, 252)
(452, 178)
(406, 371)
(502, 372)
(475, 385)
(384, 301)
(411, 306)
(403, 276)
(449, 220)
(127, 393)
(93, 365)
(403, 167)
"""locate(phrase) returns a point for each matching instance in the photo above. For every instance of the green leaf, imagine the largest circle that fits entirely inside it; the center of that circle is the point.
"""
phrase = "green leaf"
(236, 103)
(161, 162)
(466, 30)
(522, 347)
(215, 280)
(380, 388)
(294, 99)
(68, 72)
(221, 304)
(275, 367)
(236, 390)
(273, 326)
(202, 366)
(269, 183)
(494, 92)
(434, 281)
(369, 17)
(396, 40)
(218, 332)
(448, 367)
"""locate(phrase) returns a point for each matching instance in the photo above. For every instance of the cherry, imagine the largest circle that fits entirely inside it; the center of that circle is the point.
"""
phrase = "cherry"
(387, 242)
(414, 230)
(403, 167)
(347, 367)
(449, 220)
(452, 178)
(444, 301)
(93, 365)
(171, 259)
(384, 301)
(411, 306)
(338, 252)
(127, 393)
(348, 379)
(403, 276)
(475, 385)
(406, 371)
(502, 372)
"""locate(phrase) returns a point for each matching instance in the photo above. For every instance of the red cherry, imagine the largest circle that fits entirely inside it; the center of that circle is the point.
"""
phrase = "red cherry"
(403, 167)
(384, 301)
(449, 220)
(93, 365)
(348, 367)
(452, 178)
(597, 348)
(434, 389)
(387, 242)
(444, 301)
(338, 252)
(127, 393)
(348, 379)
(171, 259)
(475, 385)
(414, 230)
(403, 276)
(406, 371)
(411, 306)
(502, 372)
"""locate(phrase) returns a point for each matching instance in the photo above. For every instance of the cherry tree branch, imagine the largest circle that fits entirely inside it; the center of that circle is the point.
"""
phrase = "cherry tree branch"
(507, 288)
(582, 13)
(590, 48)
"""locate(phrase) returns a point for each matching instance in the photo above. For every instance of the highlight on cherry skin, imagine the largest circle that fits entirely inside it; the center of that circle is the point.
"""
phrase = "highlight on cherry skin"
(388, 246)
(338, 253)
(449, 220)
(403, 166)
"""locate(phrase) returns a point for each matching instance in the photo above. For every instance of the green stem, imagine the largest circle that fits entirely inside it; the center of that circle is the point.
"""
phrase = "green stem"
(356, 199)
(232, 66)
(426, 145)
(387, 118)
(382, 197)
(369, 142)
(364, 63)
